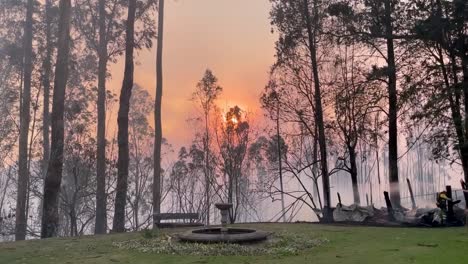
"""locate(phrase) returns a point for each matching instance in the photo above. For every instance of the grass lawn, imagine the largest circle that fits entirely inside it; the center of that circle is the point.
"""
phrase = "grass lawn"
(346, 245)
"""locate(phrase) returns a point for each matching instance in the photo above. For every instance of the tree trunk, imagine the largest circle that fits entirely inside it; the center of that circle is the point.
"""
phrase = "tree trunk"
(392, 110)
(207, 169)
(101, 205)
(73, 222)
(280, 163)
(315, 168)
(354, 176)
(464, 151)
(47, 66)
(311, 24)
(122, 120)
(157, 115)
(54, 171)
(23, 173)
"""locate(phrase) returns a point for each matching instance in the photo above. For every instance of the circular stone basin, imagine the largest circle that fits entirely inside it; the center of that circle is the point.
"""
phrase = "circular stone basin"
(214, 235)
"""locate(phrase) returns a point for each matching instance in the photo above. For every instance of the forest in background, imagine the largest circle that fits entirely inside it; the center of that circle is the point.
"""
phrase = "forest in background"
(363, 94)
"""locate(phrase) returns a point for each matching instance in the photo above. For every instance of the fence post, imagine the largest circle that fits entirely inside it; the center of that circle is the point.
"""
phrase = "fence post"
(413, 201)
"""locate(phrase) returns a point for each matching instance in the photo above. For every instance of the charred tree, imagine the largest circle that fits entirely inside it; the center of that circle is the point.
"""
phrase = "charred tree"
(23, 172)
(157, 116)
(392, 108)
(101, 205)
(54, 171)
(122, 120)
(47, 66)
(354, 174)
(312, 22)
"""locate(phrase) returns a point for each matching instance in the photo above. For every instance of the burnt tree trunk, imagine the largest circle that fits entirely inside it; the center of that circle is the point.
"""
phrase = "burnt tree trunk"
(389, 207)
(122, 120)
(280, 161)
(354, 175)
(157, 115)
(47, 66)
(464, 149)
(206, 146)
(392, 109)
(101, 205)
(312, 24)
(54, 171)
(23, 172)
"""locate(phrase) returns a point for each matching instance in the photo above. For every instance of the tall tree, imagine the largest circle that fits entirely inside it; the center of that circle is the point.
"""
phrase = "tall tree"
(101, 205)
(355, 99)
(280, 161)
(300, 46)
(122, 120)
(23, 172)
(47, 66)
(141, 161)
(206, 94)
(439, 27)
(54, 171)
(273, 99)
(157, 114)
(375, 24)
(107, 43)
(392, 105)
(233, 142)
(313, 24)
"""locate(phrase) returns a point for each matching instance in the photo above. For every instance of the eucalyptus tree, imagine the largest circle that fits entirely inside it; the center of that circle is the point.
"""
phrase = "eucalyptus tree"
(266, 156)
(124, 108)
(76, 202)
(440, 28)
(54, 171)
(157, 114)
(291, 87)
(356, 99)
(185, 183)
(299, 24)
(107, 43)
(380, 25)
(141, 163)
(205, 96)
(233, 135)
(25, 117)
(271, 101)
(102, 23)
(46, 76)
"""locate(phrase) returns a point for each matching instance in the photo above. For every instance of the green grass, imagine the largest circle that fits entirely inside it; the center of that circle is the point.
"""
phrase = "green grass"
(346, 245)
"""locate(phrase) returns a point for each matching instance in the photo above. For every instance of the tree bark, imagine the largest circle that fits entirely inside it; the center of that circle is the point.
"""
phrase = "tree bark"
(47, 66)
(157, 115)
(207, 167)
(280, 161)
(464, 150)
(122, 120)
(353, 172)
(23, 172)
(311, 23)
(54, 171)
(101, 205)
(392, 109)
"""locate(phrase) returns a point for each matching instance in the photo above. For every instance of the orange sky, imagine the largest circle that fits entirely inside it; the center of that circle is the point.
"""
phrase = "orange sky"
(231, 37)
